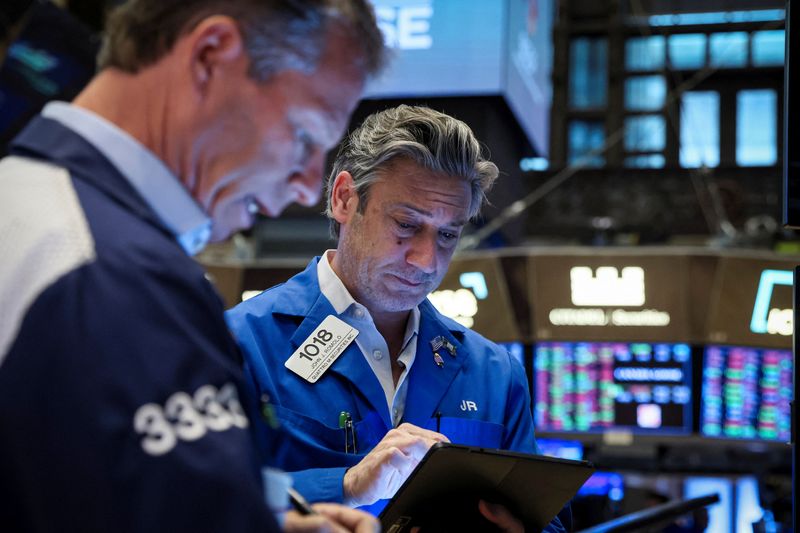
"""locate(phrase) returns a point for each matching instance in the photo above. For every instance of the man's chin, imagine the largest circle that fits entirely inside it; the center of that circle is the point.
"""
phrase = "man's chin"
(397, 303)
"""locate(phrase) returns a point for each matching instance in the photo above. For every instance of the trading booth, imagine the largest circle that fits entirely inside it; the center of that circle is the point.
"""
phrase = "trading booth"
(669, 368)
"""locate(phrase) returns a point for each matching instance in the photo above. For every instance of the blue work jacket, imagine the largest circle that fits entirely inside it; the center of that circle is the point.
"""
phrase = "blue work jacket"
(479, 397)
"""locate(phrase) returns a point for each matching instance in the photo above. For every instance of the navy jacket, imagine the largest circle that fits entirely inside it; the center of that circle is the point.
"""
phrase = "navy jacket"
(121, 394)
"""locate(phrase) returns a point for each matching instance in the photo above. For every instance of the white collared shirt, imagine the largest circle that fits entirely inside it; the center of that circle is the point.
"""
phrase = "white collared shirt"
(146, 173)
(371, 343)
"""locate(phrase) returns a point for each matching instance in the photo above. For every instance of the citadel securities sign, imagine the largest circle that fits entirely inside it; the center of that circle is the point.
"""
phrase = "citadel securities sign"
(609, 288)
(614, 297)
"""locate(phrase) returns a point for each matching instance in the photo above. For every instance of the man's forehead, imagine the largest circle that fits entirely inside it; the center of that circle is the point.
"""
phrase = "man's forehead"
(413, 188)
(426, 211)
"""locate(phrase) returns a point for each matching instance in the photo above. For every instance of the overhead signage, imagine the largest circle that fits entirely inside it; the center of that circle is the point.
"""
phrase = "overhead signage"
(767, 319)
(406, 25)
(472, 48)
(441, 48)
(752, 302)
(529, 66)
(609, 298)
(607, 286)
(474, 293)
(598, 296)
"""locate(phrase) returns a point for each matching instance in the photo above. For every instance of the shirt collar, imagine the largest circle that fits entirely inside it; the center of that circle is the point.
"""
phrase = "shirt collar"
(342, 301)
(146, 173)
(331, 286)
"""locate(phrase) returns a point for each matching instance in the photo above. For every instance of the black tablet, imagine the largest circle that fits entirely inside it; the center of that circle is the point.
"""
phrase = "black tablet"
(442, 493)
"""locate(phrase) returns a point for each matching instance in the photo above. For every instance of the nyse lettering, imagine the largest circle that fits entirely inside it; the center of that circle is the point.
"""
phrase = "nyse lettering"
(406, 27)
(186, 417)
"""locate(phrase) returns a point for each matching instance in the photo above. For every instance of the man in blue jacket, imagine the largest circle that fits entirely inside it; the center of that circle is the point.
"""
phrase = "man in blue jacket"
(122, 401)
(363, 374)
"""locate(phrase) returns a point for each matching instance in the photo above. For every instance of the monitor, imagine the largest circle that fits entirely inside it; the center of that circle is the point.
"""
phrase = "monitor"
(52, 59)
(746, 393)
(601, 386)
(610, 484)
(445, 48)
(720, 514)
(791, 124)
(561, 448)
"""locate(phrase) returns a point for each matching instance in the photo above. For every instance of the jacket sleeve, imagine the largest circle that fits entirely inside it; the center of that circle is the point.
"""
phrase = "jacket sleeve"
(518, 419)
(320, 484)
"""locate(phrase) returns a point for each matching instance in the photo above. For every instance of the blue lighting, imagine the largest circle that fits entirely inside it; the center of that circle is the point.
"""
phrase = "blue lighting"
(769, 278)
(533, 163)
(476, 282)
(717, 17)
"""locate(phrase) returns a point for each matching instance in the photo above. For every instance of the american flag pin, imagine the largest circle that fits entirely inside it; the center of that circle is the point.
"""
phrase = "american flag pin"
(450, 347)
(437, 343)
(438, 359)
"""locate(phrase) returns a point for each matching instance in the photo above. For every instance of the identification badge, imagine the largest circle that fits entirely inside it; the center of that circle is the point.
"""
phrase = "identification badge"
(321, 349)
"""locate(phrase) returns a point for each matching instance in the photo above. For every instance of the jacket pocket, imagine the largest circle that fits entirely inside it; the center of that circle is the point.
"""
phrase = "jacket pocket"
(307, 434)
(469, 432)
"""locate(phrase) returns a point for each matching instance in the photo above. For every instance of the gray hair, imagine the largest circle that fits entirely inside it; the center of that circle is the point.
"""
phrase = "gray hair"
(278, 34)
(433, 140)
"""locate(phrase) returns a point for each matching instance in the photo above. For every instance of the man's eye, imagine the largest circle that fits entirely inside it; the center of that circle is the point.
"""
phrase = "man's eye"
(448, 238)
(405, 226)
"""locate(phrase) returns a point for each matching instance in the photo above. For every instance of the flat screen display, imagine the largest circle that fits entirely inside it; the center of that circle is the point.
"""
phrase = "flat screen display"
(610, 484)
(471, 48)
(791, 121)
(746, 393)
(599, 386)
(52, 59)
(440, 47)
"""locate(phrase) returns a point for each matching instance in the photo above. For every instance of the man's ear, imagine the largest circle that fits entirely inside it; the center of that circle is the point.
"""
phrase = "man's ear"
(344, 199)
(215, 44)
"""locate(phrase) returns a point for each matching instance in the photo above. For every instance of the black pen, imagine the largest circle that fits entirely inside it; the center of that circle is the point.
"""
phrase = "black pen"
(299, 503)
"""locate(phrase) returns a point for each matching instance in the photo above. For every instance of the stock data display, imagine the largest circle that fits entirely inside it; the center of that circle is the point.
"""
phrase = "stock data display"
(746, 393)
(596, 386)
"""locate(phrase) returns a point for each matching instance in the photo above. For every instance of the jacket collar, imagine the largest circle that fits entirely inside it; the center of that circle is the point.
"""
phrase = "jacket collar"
(49, 140)
(428, 382)
(303, 299)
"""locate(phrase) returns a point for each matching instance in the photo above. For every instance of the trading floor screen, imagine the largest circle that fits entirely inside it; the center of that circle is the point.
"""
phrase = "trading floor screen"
(586, 386)
(746, 393)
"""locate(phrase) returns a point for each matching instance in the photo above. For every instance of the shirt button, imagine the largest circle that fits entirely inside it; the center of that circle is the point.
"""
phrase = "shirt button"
(359, 313)
(377, 354)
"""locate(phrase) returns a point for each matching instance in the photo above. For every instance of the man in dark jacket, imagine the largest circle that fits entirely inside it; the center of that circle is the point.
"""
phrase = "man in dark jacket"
(121, 398)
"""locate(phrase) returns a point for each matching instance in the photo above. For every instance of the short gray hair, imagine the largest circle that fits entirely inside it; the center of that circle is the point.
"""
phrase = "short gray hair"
(433, 140)
(278, 34)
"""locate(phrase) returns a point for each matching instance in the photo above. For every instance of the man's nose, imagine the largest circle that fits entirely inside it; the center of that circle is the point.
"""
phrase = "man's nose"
(422, 253)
